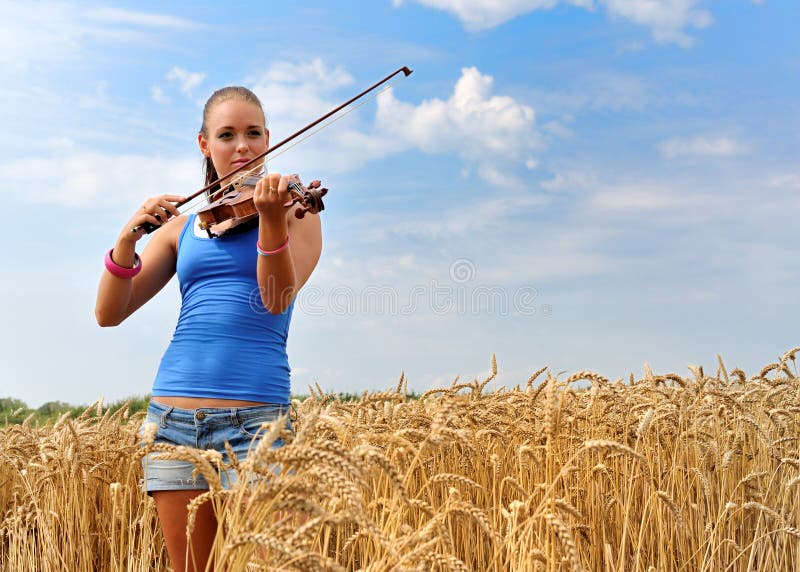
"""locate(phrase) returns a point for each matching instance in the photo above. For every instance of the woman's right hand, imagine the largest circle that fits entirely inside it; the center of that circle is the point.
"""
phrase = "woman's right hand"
(156, 211)
(117, 297)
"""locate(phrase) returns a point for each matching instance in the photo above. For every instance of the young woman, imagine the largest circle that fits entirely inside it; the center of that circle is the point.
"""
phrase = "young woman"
(226, 370)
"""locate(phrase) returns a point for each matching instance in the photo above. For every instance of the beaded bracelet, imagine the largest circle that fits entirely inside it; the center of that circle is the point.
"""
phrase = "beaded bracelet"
(263, 252)
(121, 271)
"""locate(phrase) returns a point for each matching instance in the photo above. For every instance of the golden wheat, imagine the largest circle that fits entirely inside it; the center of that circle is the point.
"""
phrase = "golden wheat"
(663, 472)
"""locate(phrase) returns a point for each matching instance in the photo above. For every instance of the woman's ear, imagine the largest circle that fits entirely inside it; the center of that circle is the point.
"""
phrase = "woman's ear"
(203, 144)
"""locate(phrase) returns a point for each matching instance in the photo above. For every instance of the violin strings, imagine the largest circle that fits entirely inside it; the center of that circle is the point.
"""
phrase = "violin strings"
(241, 176)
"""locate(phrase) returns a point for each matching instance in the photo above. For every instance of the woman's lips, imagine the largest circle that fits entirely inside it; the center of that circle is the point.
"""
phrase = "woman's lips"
(240, 162)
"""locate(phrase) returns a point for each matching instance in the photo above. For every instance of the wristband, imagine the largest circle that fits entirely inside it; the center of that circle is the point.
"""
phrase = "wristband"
(263, 252)
(121, 271)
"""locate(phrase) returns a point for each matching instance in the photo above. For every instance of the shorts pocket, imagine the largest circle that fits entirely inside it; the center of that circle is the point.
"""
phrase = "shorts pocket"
(252, 427)
(257, 425)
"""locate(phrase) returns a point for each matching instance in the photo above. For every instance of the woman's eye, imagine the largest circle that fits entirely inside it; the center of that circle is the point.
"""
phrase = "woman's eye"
(224, 135)
(255, 133)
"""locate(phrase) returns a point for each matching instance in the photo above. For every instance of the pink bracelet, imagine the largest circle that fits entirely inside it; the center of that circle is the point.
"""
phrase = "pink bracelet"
(121, 271)
(263, 252)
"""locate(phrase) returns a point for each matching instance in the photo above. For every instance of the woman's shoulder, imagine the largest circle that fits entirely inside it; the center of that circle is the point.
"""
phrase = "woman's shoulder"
(171, 231)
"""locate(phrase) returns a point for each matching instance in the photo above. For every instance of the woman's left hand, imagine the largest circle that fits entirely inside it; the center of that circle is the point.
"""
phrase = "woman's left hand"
(270, 195)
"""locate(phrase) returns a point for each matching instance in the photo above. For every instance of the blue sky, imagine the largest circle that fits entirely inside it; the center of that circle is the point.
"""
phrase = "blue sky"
(589, 184)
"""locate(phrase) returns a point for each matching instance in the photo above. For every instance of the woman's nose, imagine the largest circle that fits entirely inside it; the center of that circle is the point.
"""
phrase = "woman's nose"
(242, 145)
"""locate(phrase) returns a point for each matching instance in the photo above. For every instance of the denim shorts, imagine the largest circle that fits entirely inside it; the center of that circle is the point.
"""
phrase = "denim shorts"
(204, 428)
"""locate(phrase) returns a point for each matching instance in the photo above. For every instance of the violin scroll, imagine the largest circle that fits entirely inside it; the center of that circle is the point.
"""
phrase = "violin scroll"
(310, 197)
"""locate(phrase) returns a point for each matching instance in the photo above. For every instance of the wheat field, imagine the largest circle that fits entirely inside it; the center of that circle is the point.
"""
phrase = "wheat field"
(659, 473)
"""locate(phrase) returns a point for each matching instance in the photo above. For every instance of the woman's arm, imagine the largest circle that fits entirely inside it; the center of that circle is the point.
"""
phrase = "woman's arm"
(118, 298)
(281, 275)
(306, 245)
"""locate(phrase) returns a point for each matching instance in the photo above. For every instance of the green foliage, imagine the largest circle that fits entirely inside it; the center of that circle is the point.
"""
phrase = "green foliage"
(13, 411)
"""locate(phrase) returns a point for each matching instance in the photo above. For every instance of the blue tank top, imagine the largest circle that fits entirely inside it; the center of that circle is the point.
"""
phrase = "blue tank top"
(226, 344)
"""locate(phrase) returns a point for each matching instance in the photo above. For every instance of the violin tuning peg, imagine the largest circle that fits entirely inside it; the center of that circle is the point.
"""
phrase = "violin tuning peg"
(314, 184)
(323, 191)
(300, 213)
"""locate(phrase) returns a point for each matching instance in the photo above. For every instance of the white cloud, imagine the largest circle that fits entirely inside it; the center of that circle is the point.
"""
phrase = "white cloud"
(484, 14)
(82, 178)
(667, 19)
(557, 254)
(557, 129)
(607, 197)
(145, 19)
(158, 94)
(568, 181)
(790, 181)
(186, 80)
(701, 146)
(497, 177)
(480, 127)
(639, 198)
(628, 46)
(494, 133)
(479, 232)
(602, 89)
(472, 121)
(460, 222)
(51, 33)
(294, 94)
(299, 75)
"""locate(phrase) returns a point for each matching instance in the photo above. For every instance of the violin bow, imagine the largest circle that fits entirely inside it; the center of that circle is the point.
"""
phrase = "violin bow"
(149, 227)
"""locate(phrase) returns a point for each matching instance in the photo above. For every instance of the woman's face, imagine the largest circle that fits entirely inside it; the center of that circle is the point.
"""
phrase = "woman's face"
(235, 133)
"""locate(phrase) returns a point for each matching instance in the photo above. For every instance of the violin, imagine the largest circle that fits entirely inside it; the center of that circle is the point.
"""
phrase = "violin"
(237, 205)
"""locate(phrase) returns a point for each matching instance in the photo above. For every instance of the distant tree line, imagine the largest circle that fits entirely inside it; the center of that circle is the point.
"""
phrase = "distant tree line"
(13, 411)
